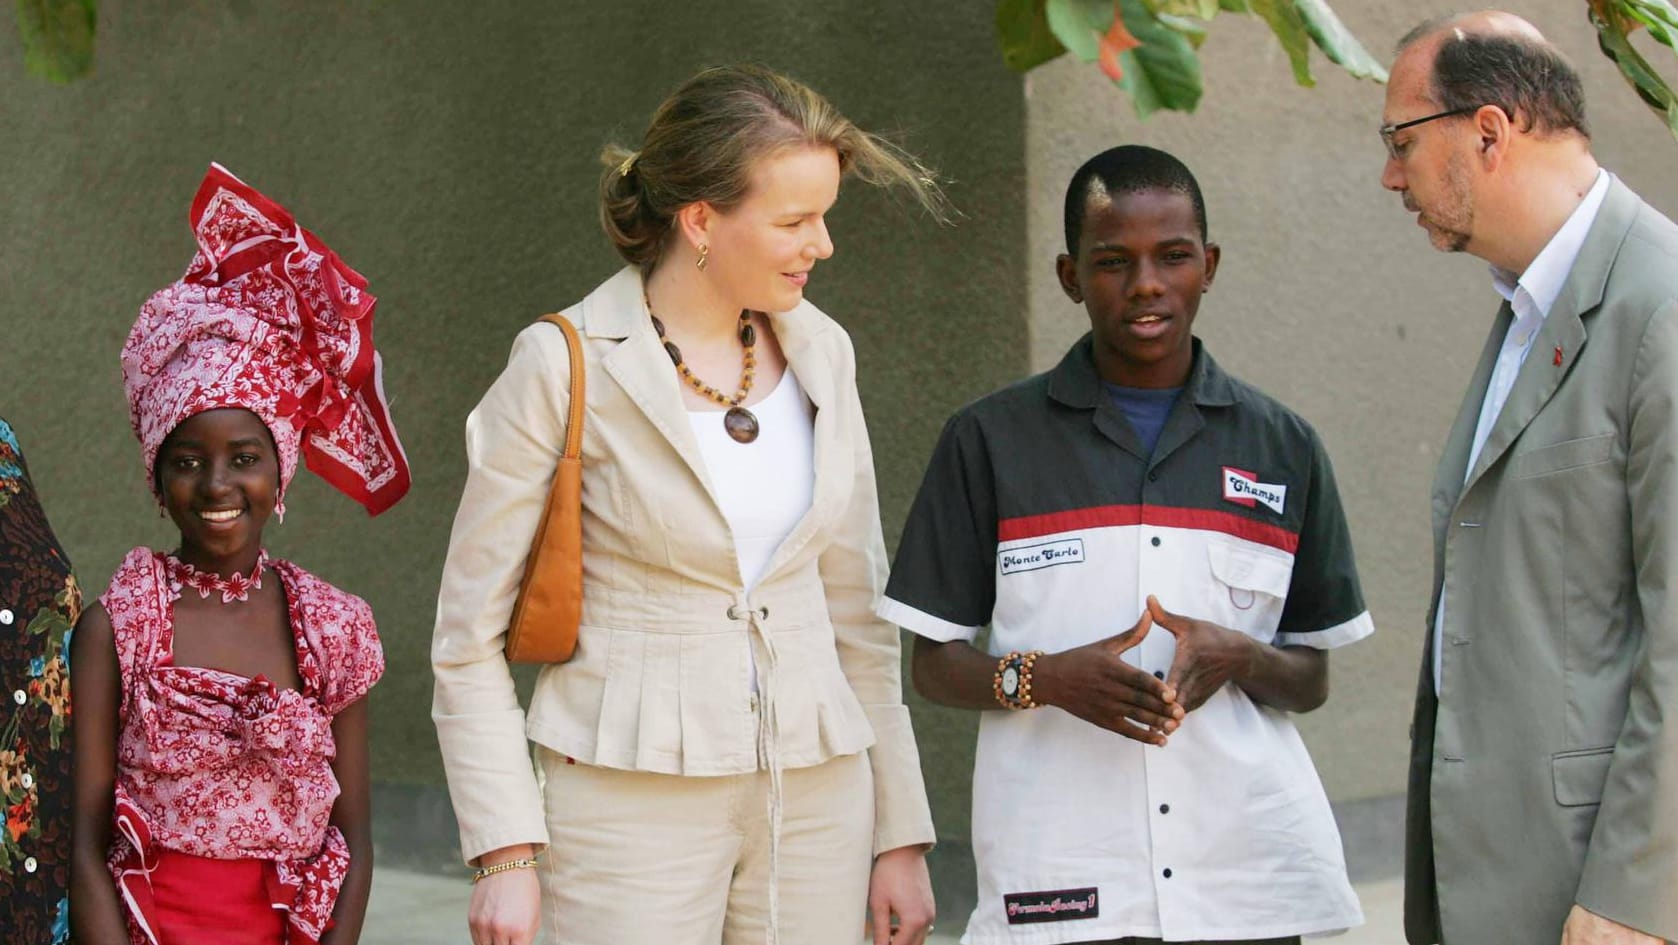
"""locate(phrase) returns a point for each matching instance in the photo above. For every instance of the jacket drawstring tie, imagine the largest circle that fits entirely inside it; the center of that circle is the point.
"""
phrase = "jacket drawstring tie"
(768, 754)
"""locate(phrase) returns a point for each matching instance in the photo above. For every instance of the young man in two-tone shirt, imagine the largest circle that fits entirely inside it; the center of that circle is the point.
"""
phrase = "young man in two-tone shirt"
(1161, 555)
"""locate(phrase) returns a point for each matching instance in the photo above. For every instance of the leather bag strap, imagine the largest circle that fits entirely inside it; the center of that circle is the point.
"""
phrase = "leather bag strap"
(574, 416)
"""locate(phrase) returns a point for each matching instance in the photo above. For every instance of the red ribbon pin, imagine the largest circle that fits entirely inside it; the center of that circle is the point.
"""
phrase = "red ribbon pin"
(1558, 356)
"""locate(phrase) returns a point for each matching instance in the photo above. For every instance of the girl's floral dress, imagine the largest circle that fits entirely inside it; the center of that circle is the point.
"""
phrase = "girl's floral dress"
(218, 765)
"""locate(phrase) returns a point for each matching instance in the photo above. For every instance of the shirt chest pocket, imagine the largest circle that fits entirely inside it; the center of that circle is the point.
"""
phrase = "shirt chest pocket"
(1247, 588)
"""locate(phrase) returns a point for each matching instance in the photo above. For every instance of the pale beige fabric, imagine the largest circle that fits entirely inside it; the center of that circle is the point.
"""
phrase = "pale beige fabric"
(660, 680)
(666, 860)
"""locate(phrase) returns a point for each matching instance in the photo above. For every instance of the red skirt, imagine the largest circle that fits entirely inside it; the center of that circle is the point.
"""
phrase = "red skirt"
(176, 898)
(200, 901)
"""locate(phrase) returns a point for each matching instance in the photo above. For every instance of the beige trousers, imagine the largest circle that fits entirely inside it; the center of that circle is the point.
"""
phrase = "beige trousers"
(1291, 940)
(655, 859)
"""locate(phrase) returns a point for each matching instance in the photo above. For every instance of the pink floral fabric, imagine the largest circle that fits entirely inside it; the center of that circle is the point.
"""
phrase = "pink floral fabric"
(219, 765)
(267, 318)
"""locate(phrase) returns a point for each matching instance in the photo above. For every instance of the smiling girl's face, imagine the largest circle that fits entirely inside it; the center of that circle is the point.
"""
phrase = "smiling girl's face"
(219, 476)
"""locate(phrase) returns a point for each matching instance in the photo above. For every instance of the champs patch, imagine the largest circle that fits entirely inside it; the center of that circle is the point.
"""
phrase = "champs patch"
(1243, 488)
(1044, 555)
(1058, 905)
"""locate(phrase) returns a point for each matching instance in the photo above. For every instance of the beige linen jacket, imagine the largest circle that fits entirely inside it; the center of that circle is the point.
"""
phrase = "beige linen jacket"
(660, 679)
(1544, 772)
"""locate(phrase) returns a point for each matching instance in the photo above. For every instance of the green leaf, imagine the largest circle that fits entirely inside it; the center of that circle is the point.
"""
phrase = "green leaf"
(1337, 42)
(1234, 6)
(1659, 16)
(1205, 9)
(1646, 10)
(1079, 24)
(1162, 73)
(1616, 45)
(1194, 32)
(1289, 27)
(57, 37)
(1022, 31)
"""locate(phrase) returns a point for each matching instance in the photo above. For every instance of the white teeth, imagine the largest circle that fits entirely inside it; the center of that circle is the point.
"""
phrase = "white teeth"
(224, 516)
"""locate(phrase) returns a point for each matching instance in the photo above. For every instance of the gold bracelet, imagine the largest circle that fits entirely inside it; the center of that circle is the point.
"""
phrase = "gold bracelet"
(482, 871)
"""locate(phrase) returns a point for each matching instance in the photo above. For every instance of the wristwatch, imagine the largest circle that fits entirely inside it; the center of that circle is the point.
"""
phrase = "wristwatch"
(1012, 681)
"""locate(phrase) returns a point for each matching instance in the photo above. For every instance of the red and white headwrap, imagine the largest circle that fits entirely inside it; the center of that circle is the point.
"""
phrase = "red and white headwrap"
(269, 319)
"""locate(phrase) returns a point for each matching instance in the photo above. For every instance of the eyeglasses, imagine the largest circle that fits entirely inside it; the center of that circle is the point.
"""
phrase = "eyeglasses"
(1387, 131)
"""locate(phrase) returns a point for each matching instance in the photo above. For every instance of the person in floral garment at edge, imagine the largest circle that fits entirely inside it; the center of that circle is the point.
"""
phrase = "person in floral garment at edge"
(39, 603)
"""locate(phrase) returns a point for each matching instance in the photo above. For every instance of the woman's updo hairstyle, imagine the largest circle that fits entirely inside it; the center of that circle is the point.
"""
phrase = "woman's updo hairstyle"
(704, 138)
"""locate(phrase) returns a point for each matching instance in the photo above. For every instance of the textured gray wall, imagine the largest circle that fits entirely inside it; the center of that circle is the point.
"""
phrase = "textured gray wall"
(448, 151)
(1329, 298)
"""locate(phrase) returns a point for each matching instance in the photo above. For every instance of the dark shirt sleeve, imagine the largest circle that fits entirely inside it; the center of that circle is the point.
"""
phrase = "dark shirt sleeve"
(943, 581)
(1325, 607)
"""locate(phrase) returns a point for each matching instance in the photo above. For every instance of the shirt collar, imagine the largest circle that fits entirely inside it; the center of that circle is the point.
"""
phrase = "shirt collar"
(1543, 280)
(1075, 382)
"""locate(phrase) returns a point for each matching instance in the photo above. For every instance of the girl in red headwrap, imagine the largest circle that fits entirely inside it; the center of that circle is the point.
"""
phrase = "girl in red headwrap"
(221, 788)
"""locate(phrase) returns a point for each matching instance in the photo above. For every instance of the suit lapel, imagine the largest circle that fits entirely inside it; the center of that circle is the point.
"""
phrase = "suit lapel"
(798, 331)
(1554, 350)
(1453, 461)
(1563, 335)
(639, 366)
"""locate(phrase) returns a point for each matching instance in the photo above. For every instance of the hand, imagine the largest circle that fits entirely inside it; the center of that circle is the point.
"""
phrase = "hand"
(900, 886)
(1585, 927)
(1094, 683)
(1208, 656)
(506, 908)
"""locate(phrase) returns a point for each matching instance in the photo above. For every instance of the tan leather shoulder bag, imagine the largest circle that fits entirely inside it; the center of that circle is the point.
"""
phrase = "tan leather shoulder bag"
(550, 601)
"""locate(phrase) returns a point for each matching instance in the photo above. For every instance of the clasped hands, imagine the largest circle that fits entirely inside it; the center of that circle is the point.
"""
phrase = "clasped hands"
(1094, 683)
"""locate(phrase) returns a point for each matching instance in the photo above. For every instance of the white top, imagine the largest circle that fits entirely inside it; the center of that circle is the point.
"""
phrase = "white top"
(1530, 297)
(764, 486)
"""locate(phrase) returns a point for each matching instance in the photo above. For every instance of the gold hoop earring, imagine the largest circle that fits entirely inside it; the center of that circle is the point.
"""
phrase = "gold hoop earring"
(704, 256)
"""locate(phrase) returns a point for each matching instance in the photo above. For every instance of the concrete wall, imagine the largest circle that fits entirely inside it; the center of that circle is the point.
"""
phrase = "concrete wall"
(448, 151)
(1330, 298)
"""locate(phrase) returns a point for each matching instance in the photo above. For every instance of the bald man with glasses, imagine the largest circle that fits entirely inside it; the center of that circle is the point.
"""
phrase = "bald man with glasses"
(1544, 770)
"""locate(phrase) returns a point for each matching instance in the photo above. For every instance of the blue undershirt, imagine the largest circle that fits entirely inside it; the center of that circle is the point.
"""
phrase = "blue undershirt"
(1146, 408)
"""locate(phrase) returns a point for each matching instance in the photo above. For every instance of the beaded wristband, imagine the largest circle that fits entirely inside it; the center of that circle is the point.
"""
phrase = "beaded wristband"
(1022, 664)
(483, 871)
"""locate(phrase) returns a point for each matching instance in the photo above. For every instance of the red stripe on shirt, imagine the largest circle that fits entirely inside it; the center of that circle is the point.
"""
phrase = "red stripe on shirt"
(1115, 516)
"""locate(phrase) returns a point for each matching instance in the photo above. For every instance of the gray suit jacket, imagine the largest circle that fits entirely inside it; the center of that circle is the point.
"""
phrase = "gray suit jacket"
(1545, 771)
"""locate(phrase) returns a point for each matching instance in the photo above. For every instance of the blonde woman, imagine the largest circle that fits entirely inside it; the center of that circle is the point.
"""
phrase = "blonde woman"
(727, 757)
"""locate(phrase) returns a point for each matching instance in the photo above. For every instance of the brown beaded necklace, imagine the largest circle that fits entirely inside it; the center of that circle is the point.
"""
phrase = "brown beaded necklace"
(740, 423)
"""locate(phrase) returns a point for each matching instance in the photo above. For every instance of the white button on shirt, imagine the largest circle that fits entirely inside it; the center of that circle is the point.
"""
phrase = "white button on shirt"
(1530, 298)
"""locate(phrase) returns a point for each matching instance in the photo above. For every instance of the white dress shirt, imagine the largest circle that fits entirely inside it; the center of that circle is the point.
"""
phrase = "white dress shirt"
(1530, 297)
